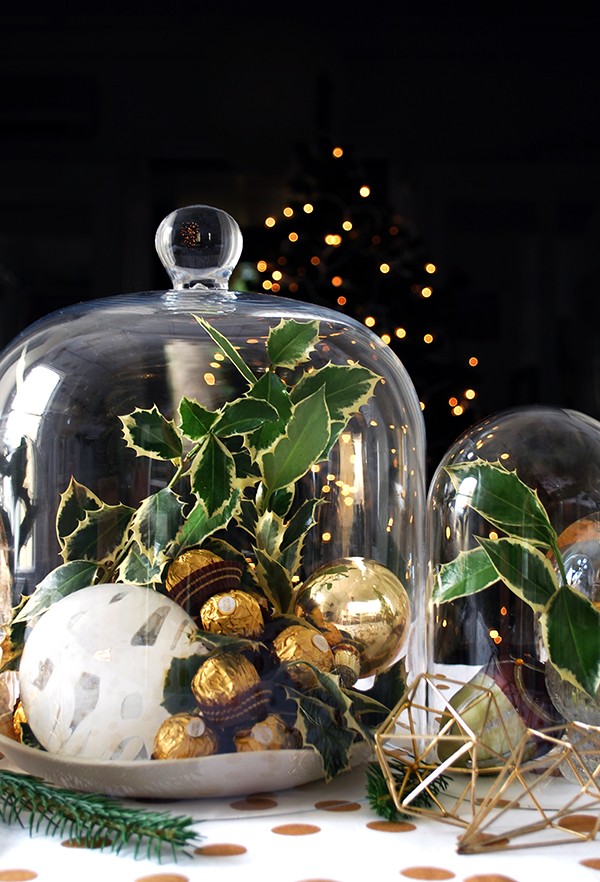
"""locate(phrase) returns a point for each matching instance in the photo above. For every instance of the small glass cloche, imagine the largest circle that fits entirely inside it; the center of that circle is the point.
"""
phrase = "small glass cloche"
(513, 586)
(212, 516)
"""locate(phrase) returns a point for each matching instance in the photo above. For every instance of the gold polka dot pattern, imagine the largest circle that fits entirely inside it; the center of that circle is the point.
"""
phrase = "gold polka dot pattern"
(163, 877)
(220, 849)
(489, 877)
(427, 873)
(337, 805)
(391, 826)
(296, 829)
(578, 823)
(17, 875)
(254, 803)
(592, 863)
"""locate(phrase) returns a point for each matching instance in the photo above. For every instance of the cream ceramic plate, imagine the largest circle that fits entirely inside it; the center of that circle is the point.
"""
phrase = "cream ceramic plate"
(227, 774)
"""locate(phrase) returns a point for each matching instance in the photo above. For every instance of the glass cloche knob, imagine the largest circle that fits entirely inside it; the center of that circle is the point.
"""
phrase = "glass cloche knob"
(199, 246)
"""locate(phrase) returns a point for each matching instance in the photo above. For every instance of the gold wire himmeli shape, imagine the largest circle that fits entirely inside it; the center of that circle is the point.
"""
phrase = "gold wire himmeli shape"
(480, 798)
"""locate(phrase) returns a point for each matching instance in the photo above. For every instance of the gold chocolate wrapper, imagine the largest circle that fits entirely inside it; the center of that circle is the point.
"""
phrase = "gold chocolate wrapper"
(228, 690)
(232, 612)
(196, 575)
(298, 643)
(269, 734)
(346, 660)
(183, 736)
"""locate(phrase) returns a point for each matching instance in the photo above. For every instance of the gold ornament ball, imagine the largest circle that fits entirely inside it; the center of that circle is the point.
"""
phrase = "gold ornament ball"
(368, 604)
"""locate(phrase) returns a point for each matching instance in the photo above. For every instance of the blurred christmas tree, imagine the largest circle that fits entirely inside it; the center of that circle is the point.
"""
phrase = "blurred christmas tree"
(339, 243)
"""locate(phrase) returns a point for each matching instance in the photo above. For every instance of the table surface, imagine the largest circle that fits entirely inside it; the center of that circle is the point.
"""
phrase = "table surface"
(313, 833)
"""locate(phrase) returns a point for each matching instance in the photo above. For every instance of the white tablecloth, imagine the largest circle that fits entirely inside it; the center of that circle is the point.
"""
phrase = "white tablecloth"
(316, 832)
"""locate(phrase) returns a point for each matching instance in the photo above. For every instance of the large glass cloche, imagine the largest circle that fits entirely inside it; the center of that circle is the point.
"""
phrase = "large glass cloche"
(212, 509)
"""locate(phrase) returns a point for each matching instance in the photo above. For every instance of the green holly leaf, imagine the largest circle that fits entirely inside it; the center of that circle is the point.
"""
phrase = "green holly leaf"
(325, 722)
(138, 569)
(274, 581)
(156, 522)
(300, 523)
(243, 416)
(73, 506)
(302, 445)
(504, 500)
(272, 389)
(150, 434)
(212, 474)
(470, 572)
(291, 342)
(523, 568)
(571, 632)
(347, 388)
(198, 525)
(227, 349)
(196, 420)
(100, 535)
(269, 531)
(60, 582)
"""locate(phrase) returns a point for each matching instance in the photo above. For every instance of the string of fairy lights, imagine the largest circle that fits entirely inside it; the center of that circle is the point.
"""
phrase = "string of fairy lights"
(306, 259)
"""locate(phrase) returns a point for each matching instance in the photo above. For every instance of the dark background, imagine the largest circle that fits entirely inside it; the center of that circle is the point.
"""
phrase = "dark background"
(482, 128)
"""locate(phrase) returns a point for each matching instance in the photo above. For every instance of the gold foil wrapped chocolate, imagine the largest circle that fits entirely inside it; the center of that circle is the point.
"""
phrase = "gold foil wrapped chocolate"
(183, 736)
(298, 643)
(228, 690)
(268, 734)
(346, 662)
(232, 612)
(197, 574)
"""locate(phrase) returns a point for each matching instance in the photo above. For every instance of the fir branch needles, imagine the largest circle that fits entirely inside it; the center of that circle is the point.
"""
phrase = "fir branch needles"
(381, 799)
(91, 819)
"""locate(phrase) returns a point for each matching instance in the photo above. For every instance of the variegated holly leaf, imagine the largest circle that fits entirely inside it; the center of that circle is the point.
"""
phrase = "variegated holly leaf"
(272, 389)
(195, 420)
(291, 342)
(151, 434)
(523, 568)
(504, 500)
(243, 416)
(274, 581)
(198, 525)
(12, 647)
(100, 535)
(300, 523)
(138, 569)
(470, 572)
(212, 474)
(227, 349)
(269, 532)
(571, 632)
(59, 583)
(302, 445)
(325, 721)
(73, 506)
(156, 522)
(347, 388)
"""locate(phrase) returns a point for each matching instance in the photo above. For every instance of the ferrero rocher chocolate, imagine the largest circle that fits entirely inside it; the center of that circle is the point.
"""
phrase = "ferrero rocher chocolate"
(197, 574)
(232, 612)
(366, 602)
(183, 736)
(228, 690)
(346, 662)
(268, 734)
(298, 643)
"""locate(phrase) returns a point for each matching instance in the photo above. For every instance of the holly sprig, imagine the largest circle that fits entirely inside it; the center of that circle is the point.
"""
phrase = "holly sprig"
(237, 465)
(93, 820)
(523, 559)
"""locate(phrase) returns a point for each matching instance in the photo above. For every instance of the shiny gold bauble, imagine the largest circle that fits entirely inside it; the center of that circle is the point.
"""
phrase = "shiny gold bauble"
(366, 602)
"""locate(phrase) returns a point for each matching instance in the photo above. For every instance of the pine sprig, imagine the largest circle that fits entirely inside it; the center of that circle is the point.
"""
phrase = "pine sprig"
(94, 820)
(382, 801)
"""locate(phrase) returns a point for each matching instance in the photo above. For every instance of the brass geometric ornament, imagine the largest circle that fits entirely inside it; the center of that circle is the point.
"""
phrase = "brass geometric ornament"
(501, 795)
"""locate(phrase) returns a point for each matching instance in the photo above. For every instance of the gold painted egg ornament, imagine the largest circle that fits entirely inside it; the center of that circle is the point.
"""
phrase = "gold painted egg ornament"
(366, 602)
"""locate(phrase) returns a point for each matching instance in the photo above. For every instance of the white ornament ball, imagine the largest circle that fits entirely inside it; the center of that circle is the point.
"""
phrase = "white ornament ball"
(93, 670)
